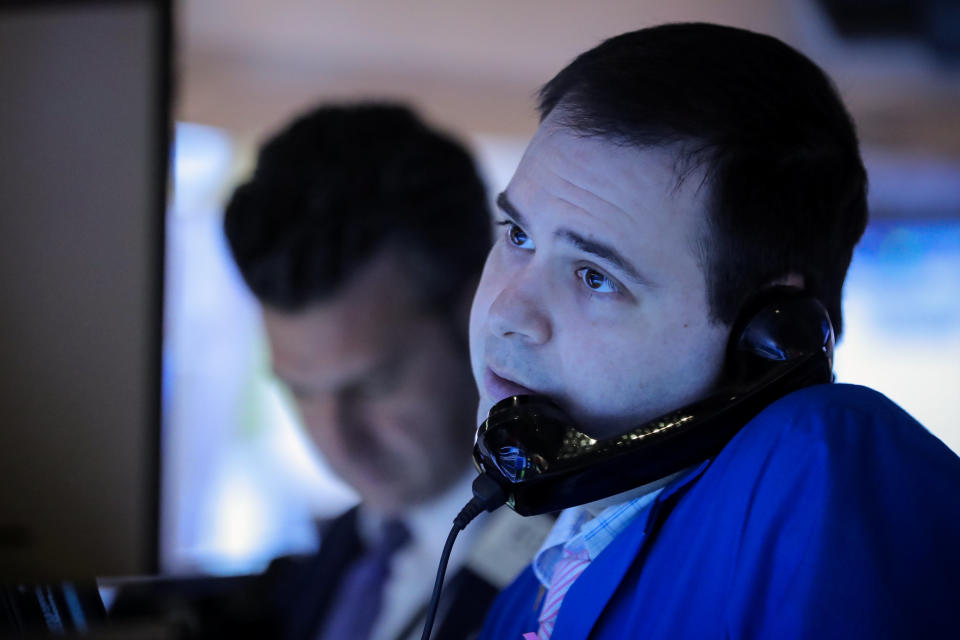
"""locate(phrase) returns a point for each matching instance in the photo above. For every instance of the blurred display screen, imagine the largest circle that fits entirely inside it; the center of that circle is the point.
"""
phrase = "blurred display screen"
(902, 316)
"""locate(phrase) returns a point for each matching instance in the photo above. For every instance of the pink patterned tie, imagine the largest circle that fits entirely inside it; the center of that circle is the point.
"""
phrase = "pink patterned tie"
(570, 565)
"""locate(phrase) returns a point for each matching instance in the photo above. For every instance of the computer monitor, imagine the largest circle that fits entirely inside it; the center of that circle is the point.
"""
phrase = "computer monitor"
(84, 133)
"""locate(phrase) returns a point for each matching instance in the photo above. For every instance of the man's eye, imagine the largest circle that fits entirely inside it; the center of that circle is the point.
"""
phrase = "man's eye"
(596, 281)
(517, 236)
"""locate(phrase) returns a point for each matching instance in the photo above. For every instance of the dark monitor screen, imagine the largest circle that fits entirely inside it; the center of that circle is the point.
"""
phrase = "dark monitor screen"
(84, 134)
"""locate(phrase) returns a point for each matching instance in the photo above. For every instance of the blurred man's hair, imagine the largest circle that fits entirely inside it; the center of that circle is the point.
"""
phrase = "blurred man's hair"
(787, 186)
(344, 182)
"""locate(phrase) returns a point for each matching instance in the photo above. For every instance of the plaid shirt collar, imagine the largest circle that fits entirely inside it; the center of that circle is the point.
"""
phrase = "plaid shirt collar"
(577, 529)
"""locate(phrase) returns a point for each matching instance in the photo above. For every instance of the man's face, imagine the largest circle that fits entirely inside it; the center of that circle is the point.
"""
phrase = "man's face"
(381, 386)
(593, 294)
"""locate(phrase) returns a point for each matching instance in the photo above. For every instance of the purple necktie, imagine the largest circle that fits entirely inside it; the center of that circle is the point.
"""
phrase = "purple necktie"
(357, 603)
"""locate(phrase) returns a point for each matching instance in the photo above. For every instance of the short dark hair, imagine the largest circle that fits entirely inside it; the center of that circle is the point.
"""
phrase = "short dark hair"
(344, 181)
(787, 186)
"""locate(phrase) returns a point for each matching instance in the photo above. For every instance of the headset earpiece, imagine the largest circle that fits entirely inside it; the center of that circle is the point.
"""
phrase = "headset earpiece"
(779, 325)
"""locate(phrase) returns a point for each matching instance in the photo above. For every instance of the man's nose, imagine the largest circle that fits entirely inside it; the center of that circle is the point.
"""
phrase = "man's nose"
(518, 310)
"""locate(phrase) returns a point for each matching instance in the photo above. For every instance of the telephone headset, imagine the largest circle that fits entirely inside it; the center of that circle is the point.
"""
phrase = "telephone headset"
(536, 459)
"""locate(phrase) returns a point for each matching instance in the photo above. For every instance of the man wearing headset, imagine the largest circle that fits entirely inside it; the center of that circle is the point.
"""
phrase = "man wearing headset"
(679, 171)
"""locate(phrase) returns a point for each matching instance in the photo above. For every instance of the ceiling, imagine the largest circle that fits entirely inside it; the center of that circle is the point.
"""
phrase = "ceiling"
(248, 65)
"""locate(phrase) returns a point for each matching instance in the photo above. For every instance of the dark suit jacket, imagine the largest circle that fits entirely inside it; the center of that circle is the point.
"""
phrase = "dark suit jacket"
(290, 599)
(301, 589)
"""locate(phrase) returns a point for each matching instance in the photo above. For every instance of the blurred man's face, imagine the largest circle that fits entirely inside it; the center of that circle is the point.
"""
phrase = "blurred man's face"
(593, 294)
(383, 390)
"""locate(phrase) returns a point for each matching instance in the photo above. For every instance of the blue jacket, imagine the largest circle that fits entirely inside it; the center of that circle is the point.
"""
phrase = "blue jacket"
(832, 514)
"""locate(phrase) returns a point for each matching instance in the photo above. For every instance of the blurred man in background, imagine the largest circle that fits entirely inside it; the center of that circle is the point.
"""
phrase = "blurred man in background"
(362, 232)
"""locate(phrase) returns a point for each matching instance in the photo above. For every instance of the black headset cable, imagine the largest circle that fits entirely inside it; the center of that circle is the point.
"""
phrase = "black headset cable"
(487, 496)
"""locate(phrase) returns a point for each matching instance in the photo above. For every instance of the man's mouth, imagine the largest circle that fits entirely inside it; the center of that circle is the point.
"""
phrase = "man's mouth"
(498, 387)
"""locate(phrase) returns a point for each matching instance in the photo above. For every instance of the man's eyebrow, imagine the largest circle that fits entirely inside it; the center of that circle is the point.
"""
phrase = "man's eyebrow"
(604, 252)
(507, 207)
